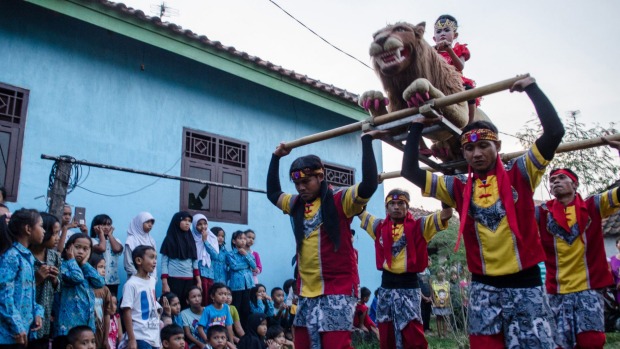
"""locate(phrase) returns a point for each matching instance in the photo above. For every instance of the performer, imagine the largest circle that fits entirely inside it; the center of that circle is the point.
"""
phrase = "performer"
(401, 254)
(327, 278)
(446, 27)
(507, 306)
(572, 237)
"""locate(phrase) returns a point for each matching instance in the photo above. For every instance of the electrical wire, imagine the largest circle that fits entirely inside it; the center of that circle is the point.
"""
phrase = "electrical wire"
(319, 36)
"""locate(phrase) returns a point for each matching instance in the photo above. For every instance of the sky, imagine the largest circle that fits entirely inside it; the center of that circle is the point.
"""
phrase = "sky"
(566, 45)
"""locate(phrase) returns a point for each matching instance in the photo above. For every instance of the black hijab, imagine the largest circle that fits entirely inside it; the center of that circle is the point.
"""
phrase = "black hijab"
(251, 339)
(179, 244)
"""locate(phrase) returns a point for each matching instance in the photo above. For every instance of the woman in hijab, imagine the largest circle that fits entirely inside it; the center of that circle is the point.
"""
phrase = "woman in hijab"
(179, 269)
(202, 236)
(138, 234)
(254, 337)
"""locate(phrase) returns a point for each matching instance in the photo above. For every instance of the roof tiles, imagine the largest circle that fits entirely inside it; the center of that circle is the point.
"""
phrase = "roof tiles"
(202, 39)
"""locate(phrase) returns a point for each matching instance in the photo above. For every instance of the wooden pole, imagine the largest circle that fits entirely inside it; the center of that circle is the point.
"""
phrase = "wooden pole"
(397, 115)
(563, 148)
(58, 195)
(69, 161)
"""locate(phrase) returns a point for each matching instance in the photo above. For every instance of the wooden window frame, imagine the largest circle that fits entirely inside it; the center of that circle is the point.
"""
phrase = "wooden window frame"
(13, 120)
(219, 165)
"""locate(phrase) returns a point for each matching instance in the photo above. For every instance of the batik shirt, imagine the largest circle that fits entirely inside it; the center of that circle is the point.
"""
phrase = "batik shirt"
(77, 298)
(111, 262)
(261, 308)
(240, 270)
(218, 263)
(492, 247)
(46, 291)
(18, 307)
(576, 259)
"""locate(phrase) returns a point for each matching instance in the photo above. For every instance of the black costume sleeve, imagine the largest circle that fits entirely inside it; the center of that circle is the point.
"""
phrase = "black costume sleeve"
(411, 168)
(369, 183)
(274, 190)
(553, 130)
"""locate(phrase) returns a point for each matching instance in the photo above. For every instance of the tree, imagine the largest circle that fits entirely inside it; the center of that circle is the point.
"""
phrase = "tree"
(596, 167)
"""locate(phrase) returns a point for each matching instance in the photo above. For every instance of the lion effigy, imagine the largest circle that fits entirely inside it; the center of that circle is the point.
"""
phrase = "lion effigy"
(411, 73)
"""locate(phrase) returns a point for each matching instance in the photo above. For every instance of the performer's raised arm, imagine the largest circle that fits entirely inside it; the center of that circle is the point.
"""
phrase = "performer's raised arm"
(553, 130)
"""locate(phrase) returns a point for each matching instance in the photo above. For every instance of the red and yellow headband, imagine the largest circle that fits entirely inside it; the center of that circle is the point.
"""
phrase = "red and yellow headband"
(566, 173)
(396, 197)
(306, 172)
(478, 134)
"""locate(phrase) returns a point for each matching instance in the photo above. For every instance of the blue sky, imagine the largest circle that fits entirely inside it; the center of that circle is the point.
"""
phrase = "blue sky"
(569, 46)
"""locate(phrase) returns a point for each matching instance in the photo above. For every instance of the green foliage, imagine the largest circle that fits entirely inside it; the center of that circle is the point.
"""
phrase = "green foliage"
(594, 166)
(444, 241)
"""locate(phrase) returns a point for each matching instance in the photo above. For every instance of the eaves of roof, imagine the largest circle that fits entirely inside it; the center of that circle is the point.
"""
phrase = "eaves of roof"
(119, 18)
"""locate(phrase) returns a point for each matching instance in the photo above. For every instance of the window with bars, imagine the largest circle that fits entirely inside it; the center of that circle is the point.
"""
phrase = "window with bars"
(13, 106)
(339, 176)
(216, 159)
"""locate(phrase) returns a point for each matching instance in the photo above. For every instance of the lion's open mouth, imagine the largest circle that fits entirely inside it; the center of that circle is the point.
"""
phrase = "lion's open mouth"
(393, 57)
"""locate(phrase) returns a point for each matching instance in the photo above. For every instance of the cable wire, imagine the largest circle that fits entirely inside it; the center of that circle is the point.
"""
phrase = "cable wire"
(319, 36)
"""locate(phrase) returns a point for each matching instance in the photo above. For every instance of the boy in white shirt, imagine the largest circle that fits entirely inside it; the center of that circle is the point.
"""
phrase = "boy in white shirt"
(139, 307)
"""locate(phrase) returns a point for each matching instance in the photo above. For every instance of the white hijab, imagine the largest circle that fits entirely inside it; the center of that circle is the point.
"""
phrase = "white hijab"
(201, 250)
(136, 235)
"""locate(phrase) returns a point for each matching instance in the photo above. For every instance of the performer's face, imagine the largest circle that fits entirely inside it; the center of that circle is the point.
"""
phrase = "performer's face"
(562, 185)
(309, 187)
(481, 155)
(396, 209)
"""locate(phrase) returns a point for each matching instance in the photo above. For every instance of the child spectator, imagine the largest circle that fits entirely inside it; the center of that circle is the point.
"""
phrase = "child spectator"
(104, 243)
(282, 315)
(78, 281)
(139, 306)
(441, 302)
(218, 313)
(138, 234)
(116, 330)
(237, 328)
(47, 274)
(191, 317)
(202, 236)
(255, 336)
(172, 307)
(361, 320)
(275, 334)
(445, 33)
(102, 304)
(251, 235)
(67, 223)
(81, 337)
(172, 337)
(179, 266)
(260, 302)
(240, 263)
(216, 337)
(218, 256)
(19, 311)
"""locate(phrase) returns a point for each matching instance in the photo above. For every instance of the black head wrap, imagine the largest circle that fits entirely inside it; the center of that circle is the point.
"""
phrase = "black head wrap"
(329, 213)
(179, 244)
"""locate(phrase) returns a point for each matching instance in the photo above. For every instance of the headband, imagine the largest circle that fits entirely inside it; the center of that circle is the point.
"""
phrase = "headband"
(446, 23)
(478, 134)
(306, 172)
(396, 197)
(566, 173)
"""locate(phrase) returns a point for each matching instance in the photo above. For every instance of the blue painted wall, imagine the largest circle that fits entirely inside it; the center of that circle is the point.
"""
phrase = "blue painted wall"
(90, 99)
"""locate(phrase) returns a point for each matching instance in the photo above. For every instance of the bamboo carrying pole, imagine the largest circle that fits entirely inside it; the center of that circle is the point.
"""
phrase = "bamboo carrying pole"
(563, 148)
(397, 115)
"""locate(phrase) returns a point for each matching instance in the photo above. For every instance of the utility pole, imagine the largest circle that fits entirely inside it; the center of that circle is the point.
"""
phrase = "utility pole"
(58, 194)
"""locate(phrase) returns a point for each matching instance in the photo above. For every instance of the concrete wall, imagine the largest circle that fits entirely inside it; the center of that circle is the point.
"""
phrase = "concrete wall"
(89, 98)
